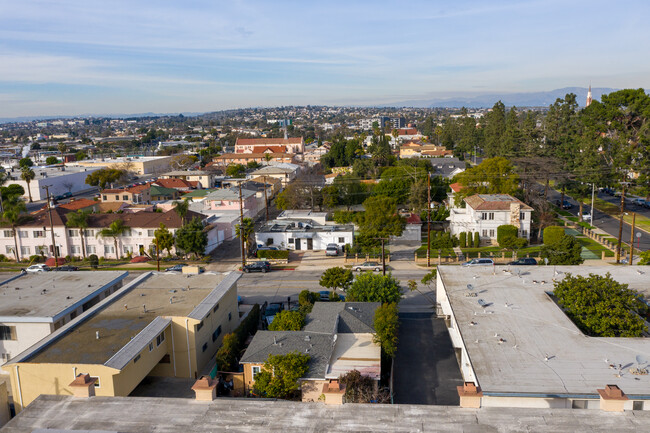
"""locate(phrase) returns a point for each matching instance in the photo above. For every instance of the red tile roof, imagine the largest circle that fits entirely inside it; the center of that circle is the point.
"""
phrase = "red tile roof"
(174, 183)
(413, 219)
(494, 202)
(456, 187)
(266, 149)
(268, 141)
(79, 204)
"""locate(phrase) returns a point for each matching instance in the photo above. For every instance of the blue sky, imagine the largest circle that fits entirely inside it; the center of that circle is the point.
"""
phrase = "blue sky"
(69, 57)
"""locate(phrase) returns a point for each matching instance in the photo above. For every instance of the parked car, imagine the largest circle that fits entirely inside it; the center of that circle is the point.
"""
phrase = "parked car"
(176, 268)
(565, 204)
(367, 266)
(586, 216)
(66, 268)
(479, 262)
(332, 250)
(262, 266)
(617, 194)
(639, 202)
(525, 261)
(39, 267)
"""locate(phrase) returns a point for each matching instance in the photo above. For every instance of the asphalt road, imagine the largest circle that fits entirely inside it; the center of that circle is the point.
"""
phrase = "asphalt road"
(606, 222)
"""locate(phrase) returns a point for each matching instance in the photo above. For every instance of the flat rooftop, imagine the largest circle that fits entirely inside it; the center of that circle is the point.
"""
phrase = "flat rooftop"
(125, 317)
(542, 351)
(45, 295)
(147, 414)
(49, 172)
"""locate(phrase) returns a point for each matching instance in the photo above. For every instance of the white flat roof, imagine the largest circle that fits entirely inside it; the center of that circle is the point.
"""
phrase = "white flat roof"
(41, 297)
(355, 352)
(542, 351)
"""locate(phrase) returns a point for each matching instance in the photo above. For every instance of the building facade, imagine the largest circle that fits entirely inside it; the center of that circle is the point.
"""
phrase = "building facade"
(304, 234)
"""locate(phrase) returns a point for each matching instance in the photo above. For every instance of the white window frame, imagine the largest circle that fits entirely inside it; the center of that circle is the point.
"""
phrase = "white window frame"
(256, 369)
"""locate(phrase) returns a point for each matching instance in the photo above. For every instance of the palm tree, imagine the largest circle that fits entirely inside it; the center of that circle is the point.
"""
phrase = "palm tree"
(115, 230)
(12, 214)
(246, 230)
(27, 174)
(181, 208)
(268, 157)
(79, 220)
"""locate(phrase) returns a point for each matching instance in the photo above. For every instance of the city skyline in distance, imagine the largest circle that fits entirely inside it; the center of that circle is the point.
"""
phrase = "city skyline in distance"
(66, 58)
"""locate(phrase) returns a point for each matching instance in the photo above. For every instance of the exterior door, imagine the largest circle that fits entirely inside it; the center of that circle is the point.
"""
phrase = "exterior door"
(310, 244)
(297, 244)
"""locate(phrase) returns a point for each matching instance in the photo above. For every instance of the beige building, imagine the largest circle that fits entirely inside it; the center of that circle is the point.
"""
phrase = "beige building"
(137, 164)
(205, 178)
(161, 324)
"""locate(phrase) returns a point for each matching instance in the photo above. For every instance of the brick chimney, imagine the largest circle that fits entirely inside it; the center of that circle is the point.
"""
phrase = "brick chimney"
(612, 398)
(470, 395)
(205, 389)
(83, 385)
(334, 392)
(515, 210)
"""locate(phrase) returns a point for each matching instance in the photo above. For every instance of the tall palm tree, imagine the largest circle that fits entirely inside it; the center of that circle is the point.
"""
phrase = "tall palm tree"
(27, 174)
(181, 208)
(245, 230)
(115, 230)
(79, 220)
(12, 214)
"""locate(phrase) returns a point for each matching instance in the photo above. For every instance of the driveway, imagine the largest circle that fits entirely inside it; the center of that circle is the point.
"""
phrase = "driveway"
(426, 370)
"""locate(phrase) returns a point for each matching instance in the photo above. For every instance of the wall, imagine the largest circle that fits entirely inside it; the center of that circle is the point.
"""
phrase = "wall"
(530, 402)
(76, 178)
(5, 415)
(27, 334)
(312, 389)
(320, 239)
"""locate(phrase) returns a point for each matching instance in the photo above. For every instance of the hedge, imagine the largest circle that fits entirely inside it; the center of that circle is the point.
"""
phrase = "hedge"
(477, 240)
(233, 343)
(506, 230)
(273, 254)
(462, 237)
(553, 234)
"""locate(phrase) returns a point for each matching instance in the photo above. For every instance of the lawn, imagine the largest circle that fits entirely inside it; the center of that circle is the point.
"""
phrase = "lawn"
(594, 246)
(613, 210)
(422, 251)
(497, 251)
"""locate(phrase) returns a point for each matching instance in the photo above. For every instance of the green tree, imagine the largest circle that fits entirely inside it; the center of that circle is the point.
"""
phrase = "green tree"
(51, 160)
(227, 354)
(495, 128)
(601, 306)
(12, 213)
(27, 174)
(190, 238)
(104, 176)
(380, 220)
(280, 374)
(163, 239)
(386, 324)
(246, 230)
(236, 170)
(462, 238)
(114, 230)
(492, 176)
(80, 156)
(25, 162)
(181, 208)
(477, 240)
(644, 258)
(79, 220)
(287, 321)
(506, 230)
(553, 234)
(565, 251)
(336, 278)
(369, 287)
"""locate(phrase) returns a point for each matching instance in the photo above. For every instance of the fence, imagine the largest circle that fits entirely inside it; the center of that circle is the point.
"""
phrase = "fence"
(501, 257)
(356, 258)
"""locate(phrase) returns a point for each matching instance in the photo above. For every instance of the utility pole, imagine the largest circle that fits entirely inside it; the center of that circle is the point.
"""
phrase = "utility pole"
(266, 201)
(632, 240)
(49, 211)
(241, 229)
(620, 225)
(593, 191)
(428, 219)
(383, 256)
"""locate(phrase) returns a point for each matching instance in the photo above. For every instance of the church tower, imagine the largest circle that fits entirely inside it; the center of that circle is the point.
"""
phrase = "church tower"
(589, 96)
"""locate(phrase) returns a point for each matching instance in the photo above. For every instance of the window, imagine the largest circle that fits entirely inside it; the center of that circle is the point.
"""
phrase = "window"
(485, 233)
(150, 233)
(9, 250)
(105, 198)
(229, 316)
(491, 233)
(637, 405)
(290, 240)
(205, 347)
(75, 249)
(127, 233)
(216, 307)
(7, 332)
(199, 326)
(136, 359)
(127, 249)
(150, 346)
(4, 357)
(524, 233)
(109, 249)
(579, 404)
(90, 249)
(256, 370)
(73, 315)
(125, 197)
(73, 233)
(117, 197)
(341, 240)
(89, 233)
(8, 234)
(39, 234)
(216, 333)
(522, 216)
(24, 251)
(487, 215)
(23, 234)
(491, 215)
(160, 338)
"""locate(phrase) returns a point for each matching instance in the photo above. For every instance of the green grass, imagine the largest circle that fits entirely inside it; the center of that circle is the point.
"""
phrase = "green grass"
(573, 218)
(422, 251)
(594, 247)
(564, 213)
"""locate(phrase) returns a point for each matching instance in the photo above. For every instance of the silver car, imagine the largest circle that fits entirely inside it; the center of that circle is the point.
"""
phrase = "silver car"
(367, 266)
(38, 268)
(479, 262)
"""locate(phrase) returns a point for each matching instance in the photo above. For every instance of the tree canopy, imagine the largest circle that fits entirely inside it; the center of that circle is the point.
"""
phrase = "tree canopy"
(287, 321)
(280, 374)
(369, 287)
(190, 238)
(380, 220)
(565, 251)
(493, 176)
(105, 176)
(336, 278)
(386, 324)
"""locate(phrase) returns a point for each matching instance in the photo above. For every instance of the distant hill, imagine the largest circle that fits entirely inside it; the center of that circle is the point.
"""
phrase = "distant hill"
(524, 99)
(85, 116)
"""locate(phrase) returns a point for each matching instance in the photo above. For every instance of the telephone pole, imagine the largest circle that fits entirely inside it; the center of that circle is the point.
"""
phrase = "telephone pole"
(620, 225)
(241, 229)
(632, 240)
(266, 201)
(49, 212)
(428, 219)
(383, 256)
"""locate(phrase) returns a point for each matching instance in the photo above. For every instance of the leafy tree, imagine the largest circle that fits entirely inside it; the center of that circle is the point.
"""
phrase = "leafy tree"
(565, 251)
(601, 306)
(492, 176)
(644, 258)
(181, 208)
(369, 287)
(380, 220)
(79, 220)
(462, 238)
(514, 243)
(477, 240)
(104, 176)
(80, 156)
(182, 162)
(280, 374)
(236, 170)
(50, 160)
(506, 230)
(253, 165)
(25, 162)
(287, 321)
(306, 300)
(386, 324)
(12, 213)
(114, 230)
(553, 234)
(27, 174)
(163, 239)
(336, 278)
(190, 238)
(495, 127)
(349, 191)
(362, 389)
(227, 354)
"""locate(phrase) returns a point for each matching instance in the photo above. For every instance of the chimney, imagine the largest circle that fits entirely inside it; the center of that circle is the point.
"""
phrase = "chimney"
(205, 389)
(470, 395)
(83, 386)
(612, 398)
(334, 392)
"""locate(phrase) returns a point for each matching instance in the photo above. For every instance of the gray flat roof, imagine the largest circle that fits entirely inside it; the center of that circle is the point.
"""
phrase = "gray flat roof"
(45, 296)
(147, 414)
(543, 352)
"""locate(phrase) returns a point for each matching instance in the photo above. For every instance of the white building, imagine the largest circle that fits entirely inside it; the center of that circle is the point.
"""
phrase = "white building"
(517, 345)
(484, 213)
(35, 305)
(304, 234)
(60, 180)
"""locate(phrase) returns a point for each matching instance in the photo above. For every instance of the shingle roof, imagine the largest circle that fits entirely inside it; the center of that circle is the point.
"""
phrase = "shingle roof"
(494, 202)
(229, 194)
(343, 317)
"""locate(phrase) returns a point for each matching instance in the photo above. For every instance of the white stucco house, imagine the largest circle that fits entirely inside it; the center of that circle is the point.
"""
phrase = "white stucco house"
(483, 213)
(304, 234)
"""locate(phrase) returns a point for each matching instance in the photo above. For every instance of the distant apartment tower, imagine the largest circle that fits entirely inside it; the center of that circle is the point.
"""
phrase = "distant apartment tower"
(588, 96)
(382, 122)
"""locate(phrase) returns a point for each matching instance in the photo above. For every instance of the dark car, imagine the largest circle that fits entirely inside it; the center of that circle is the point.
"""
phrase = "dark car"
(66, 268)
(527, 261)
(565, 204)
(263, 266)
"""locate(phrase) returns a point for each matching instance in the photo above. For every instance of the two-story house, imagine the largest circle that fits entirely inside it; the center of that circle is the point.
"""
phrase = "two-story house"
(139, 194)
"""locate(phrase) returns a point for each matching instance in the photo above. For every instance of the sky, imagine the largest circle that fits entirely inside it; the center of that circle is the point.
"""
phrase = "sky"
(74, 57)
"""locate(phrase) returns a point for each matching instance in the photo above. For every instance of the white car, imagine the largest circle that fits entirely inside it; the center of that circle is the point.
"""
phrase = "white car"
(586, 217)
(38, 268)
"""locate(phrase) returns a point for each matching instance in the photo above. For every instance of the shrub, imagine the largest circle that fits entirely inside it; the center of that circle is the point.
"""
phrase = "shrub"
(553, 234)
(306, 297)
(36, 258)
(227, 354)
(93, 260)
(3, 258)
(287, 321)
(477, 240)
(506, 230)
(273, 254)
(344, 216)
(565, 251)
(443, 240)
(462, 238)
